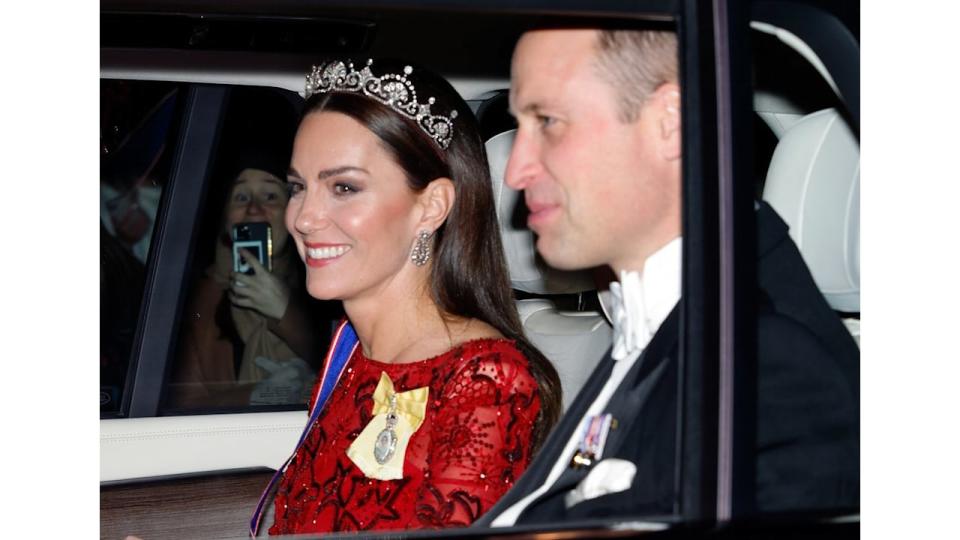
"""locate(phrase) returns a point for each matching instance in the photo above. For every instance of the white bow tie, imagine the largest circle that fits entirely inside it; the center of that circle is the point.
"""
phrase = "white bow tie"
(631, 329)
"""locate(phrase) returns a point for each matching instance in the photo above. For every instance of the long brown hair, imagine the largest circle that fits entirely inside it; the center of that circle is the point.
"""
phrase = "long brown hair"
(469, 276)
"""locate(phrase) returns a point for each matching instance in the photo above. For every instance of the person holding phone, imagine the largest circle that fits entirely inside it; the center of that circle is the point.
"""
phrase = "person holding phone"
(250, 335)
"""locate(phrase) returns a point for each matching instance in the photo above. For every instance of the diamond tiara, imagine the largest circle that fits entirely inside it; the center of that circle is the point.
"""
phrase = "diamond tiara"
(392, 89)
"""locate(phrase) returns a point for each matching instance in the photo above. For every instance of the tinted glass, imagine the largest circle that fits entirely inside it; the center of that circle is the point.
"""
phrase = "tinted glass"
(138, 126)
(806, 160)
(249, 335)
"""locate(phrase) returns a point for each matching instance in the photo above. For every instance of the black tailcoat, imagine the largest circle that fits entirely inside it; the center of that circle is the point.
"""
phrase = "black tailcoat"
(807, 426)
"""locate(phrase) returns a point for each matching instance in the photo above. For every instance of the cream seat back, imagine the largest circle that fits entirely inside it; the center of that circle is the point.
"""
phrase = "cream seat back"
(813, 182)
(574, 341)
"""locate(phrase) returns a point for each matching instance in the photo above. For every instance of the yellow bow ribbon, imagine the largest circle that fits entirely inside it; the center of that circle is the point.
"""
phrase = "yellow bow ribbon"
(380, 449)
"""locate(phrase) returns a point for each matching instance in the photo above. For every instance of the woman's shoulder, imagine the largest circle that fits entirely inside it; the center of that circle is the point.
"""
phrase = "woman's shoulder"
(495, 359)
(490, 349)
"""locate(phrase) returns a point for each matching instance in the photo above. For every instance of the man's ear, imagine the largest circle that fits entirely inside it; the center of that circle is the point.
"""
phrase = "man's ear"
(437, 201)
(666, 99)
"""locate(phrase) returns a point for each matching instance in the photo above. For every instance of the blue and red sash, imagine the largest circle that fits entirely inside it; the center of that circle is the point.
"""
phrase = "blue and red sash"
(341, 349)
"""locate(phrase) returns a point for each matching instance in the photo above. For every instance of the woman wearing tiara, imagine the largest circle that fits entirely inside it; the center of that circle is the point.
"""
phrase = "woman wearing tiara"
(431, 401)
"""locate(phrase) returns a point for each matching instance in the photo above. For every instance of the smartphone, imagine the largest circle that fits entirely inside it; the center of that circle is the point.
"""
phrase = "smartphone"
(256, 239)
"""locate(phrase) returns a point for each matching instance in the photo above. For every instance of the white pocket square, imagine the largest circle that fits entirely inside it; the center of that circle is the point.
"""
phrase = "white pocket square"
(607, 476)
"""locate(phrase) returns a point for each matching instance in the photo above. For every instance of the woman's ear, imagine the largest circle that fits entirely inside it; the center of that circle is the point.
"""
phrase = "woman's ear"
(437, 201)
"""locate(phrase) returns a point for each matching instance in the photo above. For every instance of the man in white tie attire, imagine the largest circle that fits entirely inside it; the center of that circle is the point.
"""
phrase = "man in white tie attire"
(598, 157)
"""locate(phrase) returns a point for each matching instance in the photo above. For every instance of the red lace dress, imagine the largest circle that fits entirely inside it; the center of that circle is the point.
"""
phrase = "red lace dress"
(474, 442)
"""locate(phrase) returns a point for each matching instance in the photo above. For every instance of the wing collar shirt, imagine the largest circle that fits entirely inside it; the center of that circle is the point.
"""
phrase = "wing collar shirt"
(641, 304)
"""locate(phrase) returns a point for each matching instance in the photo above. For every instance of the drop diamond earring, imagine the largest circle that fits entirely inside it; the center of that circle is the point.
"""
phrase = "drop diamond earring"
(421, 248)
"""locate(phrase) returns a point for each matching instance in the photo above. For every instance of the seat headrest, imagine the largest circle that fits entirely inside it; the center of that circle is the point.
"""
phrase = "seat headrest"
(528, 272)
(814, 184)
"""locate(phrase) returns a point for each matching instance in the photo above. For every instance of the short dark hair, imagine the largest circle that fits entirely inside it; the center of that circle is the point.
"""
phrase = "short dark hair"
(635, 63)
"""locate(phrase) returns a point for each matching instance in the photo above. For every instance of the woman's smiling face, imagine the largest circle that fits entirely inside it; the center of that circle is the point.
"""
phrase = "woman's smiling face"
(351, 213)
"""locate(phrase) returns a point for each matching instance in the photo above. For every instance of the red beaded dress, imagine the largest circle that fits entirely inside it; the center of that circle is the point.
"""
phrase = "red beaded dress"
(474, 442)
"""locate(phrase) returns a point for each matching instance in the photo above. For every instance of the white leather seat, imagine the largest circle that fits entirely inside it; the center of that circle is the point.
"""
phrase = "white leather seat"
(574, 341)
(813, 182)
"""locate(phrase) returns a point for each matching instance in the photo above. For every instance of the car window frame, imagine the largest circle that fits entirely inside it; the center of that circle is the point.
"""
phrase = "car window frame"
(165, 284)
(168, 274)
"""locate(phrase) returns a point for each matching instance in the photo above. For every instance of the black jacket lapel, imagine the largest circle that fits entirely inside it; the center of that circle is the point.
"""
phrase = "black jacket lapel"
(625, 404)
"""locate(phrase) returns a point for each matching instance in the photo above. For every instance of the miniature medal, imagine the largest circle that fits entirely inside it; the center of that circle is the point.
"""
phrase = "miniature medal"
(386, 443)
(592, 440)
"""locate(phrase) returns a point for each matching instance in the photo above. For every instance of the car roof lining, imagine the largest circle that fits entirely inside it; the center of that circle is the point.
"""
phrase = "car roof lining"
(460, 39)
(257, 69)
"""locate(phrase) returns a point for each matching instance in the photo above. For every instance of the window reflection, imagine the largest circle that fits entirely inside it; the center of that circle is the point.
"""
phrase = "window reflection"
(248, 339)
(136, 130)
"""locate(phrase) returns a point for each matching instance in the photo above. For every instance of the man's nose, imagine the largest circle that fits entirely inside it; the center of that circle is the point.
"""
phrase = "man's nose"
(523, 163)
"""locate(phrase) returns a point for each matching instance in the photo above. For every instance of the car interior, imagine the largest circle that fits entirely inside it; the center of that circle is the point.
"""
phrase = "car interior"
(806, 161)
(813, 174)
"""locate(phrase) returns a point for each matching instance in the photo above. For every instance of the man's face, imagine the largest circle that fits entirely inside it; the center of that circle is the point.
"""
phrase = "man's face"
(598, 188)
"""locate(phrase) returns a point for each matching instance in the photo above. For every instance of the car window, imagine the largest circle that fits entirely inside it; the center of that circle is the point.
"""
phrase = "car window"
(137, 134)
(249, 336)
